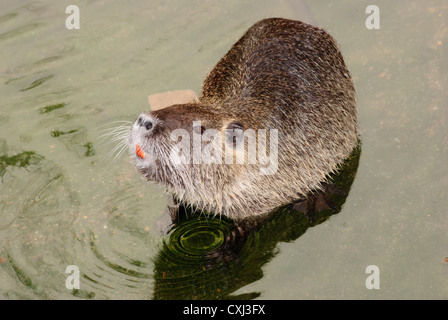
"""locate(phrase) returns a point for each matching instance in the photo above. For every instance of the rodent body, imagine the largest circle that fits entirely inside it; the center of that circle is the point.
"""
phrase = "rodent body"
(282, 75)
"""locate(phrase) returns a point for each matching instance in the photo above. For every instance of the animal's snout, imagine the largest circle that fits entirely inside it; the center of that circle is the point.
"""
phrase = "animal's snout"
(145, 121)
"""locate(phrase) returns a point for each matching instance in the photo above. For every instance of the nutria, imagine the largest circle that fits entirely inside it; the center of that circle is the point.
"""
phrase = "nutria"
(284, 78)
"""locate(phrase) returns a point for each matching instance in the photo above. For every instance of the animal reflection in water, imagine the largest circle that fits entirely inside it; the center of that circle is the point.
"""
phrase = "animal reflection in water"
(210, 258)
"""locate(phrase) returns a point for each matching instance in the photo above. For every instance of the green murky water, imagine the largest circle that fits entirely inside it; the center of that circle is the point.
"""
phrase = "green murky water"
(64, 201)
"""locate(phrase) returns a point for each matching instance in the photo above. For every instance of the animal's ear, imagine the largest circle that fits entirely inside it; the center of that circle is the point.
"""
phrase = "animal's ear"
(234, 133)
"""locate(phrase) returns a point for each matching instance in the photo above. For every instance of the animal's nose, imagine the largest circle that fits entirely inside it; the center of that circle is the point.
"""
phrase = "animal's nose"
(145, 121)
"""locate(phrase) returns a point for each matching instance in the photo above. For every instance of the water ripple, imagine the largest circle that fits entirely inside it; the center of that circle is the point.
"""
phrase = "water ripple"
(15, 33)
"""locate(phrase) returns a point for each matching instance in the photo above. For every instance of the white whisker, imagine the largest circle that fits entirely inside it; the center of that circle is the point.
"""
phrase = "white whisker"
(115, 133)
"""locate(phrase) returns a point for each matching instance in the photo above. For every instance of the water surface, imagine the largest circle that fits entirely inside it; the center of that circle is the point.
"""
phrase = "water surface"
(64, 201)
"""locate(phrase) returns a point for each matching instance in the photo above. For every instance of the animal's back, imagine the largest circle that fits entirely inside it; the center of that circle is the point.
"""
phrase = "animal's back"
(277, 58)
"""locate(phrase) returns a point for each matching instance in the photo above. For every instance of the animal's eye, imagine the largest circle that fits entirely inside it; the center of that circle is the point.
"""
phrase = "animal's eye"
(235, 125)
(234, 133)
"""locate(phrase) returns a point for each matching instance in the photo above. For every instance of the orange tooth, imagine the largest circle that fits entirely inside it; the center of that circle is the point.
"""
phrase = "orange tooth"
(140, 153)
